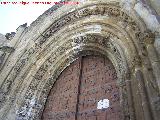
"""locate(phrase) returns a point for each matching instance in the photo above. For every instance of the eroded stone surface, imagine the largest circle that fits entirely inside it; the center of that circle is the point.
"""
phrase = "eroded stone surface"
(121, 30)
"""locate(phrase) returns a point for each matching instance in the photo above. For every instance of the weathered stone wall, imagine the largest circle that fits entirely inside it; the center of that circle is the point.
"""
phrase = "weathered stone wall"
(155, 5)
(122, 30)
(2, 54)
(148, 10)
(2, 39)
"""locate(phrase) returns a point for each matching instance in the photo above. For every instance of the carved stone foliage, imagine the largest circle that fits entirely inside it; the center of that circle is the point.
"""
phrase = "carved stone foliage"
(9, 81)
(105, 9)
(29, 109)
(100, 9)
(147, 37)
(105, 42)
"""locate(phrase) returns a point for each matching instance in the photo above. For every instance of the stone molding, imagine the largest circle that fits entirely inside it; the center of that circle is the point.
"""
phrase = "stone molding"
(30, 101)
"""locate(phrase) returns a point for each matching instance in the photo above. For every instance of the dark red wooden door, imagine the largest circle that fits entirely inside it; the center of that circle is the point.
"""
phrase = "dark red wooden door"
(86, 90)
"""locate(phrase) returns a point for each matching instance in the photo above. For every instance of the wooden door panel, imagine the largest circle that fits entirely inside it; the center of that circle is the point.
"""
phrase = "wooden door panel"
(62, 100)
(98, 82)
(80, 87)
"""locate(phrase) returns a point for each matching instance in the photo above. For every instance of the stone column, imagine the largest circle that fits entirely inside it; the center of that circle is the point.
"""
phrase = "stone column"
(143, 93)
(130, 97)
(143, 107)
(149, 39)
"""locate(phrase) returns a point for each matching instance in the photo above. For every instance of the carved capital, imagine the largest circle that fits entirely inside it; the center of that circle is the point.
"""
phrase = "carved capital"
(148, 37)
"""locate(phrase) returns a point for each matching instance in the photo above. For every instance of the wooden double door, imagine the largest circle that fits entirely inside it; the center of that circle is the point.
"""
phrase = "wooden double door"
(86, 90)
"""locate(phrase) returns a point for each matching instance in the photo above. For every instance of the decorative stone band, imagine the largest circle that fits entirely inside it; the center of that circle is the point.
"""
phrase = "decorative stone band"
(27, 110)
(111, 10)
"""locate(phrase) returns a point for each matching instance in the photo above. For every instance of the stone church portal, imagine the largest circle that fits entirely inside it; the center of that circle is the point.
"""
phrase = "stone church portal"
(98, 60)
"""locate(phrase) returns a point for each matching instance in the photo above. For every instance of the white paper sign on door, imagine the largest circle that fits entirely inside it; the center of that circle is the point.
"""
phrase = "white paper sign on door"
(103, 104)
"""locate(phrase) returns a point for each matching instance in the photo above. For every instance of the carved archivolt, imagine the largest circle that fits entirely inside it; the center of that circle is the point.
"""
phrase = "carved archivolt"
(85, 43)
(39, 80)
